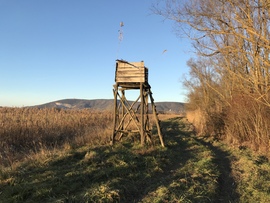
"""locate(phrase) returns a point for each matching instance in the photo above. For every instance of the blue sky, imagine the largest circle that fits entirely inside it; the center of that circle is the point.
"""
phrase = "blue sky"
(60, 49)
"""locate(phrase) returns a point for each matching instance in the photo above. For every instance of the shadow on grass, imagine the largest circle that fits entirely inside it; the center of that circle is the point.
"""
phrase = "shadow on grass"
(122, 173)
(226, 183)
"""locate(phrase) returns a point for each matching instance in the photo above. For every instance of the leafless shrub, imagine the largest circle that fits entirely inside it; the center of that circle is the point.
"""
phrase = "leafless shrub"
(229, 80)
(248, 123)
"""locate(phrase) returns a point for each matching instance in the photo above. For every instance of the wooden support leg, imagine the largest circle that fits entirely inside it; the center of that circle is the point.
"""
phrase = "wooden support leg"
(156, 118)
(142, 131)
(147, 124)
(123, 112)
(115, 91)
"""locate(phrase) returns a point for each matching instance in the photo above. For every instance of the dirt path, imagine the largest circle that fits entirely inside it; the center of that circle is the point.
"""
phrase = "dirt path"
(226, 191)
(227, 184)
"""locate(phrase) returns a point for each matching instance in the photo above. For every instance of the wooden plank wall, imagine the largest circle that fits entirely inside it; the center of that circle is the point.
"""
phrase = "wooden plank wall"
(131, 72)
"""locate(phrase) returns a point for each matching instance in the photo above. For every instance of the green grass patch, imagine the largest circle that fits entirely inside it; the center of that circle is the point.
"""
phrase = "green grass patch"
(253, 176)
(188, 169)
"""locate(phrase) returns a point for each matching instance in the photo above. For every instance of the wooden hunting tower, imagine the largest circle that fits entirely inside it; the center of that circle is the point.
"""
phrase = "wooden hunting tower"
(133, 76)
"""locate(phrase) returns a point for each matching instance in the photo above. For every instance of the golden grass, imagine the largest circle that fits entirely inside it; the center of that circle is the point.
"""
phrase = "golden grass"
(197, 119)
(27, 131)
(163, 117)
(188, 169)
(125, 172)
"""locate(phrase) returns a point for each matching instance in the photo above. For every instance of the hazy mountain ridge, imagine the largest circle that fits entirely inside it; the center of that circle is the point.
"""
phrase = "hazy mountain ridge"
(107, 104)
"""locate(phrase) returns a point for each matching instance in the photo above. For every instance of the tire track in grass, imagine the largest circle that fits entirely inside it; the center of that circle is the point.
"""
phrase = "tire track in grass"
(227, 185)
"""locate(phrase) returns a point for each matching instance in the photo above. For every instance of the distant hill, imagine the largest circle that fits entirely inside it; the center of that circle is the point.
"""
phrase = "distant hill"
(97, 104)
(173, 107)
(107, 104)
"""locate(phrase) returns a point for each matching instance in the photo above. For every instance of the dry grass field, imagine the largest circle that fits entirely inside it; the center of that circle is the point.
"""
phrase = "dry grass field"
(56, 155)
(25, 132)
(28, 131)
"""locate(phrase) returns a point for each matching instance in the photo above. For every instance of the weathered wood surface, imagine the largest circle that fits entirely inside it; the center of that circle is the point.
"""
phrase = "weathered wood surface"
(131, 72)
(125, 64)
(133, 75)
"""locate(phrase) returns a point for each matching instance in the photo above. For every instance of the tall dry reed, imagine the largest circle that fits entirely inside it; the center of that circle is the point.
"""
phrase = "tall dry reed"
(29, 130)
(197, 118)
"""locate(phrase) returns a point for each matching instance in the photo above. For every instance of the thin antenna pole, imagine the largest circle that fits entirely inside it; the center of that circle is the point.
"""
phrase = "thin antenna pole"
(120, 37)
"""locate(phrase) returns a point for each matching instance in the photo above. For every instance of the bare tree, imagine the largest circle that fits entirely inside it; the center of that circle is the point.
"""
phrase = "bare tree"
(236, 33)
(232, 40)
